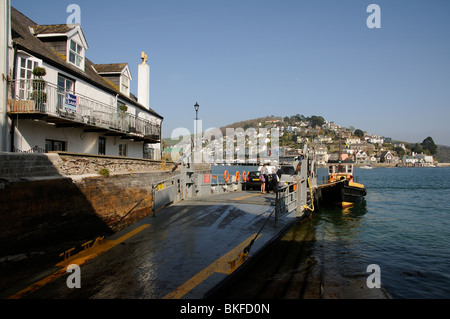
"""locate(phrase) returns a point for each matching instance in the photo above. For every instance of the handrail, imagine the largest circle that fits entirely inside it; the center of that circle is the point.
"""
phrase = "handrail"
(35, 96)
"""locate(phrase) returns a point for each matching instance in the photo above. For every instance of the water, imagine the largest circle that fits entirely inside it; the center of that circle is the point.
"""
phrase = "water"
(402, 226)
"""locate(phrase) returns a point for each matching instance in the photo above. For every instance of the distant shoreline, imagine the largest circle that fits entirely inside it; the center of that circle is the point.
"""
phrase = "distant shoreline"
(395, 165)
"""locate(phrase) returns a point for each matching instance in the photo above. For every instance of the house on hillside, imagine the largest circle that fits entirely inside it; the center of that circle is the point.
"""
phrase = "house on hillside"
(321, 154)
(362, 157)
(386, 157)
(58, 100)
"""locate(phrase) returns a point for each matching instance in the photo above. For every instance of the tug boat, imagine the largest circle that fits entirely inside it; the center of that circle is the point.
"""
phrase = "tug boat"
(340, 188)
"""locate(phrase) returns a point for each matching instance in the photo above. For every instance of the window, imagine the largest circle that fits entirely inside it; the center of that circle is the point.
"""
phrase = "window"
(125, 85)
(26, 67)
(123, 150)
(54, 146)
(102, 146)
(64, 85)
(149, 153)
(76, 54)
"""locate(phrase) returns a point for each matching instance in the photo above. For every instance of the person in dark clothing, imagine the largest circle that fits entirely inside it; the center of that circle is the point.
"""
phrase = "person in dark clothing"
(275, 179)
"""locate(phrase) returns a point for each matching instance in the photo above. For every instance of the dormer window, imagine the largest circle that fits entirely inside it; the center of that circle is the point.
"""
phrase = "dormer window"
(125, 89)
(76, 54)
(118, 75)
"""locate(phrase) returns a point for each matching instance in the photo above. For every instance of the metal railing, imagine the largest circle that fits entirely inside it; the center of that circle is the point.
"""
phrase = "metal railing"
(286, 200)
(40, 97)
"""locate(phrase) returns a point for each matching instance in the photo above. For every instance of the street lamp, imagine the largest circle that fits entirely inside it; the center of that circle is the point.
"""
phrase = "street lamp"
(195, 142)
(196, 106)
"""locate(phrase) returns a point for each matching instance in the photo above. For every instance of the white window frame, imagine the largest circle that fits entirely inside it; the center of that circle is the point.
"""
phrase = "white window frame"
(78, 54)
(25, 74)
(63, 90)
(125, 84)
(123, 150)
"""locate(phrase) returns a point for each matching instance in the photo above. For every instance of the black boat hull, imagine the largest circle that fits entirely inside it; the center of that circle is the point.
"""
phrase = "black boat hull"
(342, 193)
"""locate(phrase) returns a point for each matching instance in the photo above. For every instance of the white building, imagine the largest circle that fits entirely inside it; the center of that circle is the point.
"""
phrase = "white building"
(77, 106)
(421, 160)
(5, 44)
(375, 139)
(355, 140)
(321, 153)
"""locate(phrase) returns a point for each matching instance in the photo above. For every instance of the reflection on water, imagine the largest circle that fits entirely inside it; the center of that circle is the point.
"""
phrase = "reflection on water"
(401, 226)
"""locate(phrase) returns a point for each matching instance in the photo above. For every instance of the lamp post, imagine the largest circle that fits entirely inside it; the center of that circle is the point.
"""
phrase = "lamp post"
(196, 106)
(196, 145)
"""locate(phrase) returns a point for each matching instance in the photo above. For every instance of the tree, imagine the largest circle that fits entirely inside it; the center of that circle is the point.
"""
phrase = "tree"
(416, 148)
(359, 133)
(39, 95)
(317, 120)
(400, 151)
(428, 144)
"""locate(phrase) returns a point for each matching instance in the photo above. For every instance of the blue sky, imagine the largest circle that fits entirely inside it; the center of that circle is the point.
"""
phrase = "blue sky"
(243, 59)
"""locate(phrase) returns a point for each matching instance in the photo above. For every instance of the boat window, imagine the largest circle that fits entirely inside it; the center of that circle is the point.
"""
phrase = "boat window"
(287, 170)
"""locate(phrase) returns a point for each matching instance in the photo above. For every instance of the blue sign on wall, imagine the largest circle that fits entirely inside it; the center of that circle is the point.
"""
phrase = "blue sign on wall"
(71, 103)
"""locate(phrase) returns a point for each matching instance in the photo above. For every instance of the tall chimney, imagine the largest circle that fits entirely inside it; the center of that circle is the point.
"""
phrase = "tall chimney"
(144, 82)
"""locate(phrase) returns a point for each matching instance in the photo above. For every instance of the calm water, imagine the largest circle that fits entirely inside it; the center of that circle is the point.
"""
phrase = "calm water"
(403, 226)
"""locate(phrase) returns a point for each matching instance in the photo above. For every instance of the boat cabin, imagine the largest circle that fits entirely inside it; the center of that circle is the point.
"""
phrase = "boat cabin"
(340, 170)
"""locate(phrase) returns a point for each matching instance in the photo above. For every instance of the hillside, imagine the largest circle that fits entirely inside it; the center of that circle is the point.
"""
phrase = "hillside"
(443, 154)
(249, 123)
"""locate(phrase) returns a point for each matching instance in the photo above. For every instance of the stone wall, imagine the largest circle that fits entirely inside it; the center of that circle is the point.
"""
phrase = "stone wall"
(56, 210)
(79, 164)
(26, 165)
(44, 213)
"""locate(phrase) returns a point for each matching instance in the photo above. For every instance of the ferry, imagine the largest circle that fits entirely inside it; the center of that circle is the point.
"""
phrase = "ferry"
(340, 188)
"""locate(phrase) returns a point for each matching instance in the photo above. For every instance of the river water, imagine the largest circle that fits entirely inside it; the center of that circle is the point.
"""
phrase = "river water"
(403, 226)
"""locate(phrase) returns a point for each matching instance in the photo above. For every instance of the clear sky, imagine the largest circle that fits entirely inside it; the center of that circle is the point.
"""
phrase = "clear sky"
(243, 59)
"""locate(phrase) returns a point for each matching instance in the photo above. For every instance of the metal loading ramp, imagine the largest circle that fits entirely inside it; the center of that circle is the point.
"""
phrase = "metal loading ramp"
(183, 252)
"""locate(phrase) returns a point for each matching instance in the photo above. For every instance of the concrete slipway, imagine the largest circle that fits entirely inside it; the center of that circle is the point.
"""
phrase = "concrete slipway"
(183, 251)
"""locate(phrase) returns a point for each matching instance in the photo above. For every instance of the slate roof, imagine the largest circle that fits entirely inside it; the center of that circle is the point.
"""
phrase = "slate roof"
(110, 68)
(23, 39)
(50, 29)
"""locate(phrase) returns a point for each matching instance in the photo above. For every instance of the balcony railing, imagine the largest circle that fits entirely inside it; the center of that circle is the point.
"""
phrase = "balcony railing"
(39, 97)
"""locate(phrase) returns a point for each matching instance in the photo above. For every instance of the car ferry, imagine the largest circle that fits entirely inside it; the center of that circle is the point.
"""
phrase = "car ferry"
(341, 188)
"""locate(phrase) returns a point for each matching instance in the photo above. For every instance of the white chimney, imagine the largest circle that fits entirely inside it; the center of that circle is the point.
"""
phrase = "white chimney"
(144, 82)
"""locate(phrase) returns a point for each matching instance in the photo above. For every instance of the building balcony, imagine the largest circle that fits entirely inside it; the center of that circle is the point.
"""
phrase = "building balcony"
(39, 100)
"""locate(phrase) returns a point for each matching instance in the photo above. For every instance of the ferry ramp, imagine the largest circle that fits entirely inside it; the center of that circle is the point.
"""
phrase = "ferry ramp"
(182, 251)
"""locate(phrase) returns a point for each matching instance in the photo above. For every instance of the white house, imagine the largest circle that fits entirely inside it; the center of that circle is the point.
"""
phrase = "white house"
(375, 139)
(353, 141)
(361, 157)
(321, 153)
(418, 160)
(74, 105)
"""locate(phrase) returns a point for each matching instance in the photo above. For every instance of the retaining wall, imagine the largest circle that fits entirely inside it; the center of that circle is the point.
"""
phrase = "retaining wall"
(43, 213)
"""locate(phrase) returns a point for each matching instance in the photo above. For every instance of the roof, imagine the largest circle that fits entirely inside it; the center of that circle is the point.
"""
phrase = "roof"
(110, 68)
(52, 29)
(26, 41)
